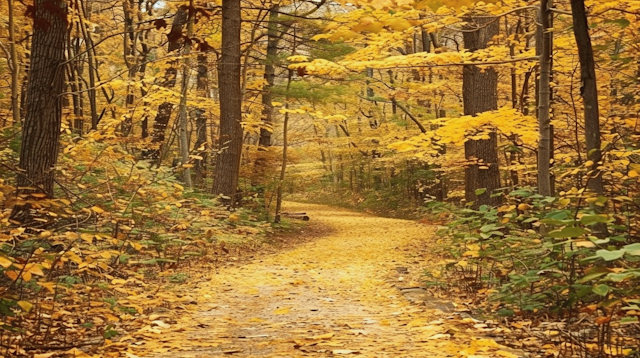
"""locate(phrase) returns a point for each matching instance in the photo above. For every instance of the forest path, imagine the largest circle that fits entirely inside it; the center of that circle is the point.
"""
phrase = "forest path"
(339, 294)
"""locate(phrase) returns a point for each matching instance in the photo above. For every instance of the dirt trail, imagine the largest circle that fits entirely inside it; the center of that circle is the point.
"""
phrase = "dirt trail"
(336, 295)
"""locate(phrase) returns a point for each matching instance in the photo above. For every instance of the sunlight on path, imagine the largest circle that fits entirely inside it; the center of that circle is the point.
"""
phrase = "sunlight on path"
(336, 295)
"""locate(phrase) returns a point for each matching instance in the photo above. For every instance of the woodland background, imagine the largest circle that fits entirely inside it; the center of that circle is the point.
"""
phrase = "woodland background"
(140, 137)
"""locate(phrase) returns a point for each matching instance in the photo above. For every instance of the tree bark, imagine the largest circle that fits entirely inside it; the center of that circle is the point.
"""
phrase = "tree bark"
(544, 101)
(201, 120)
(165, 109)
(269, 76)
(480, 94)
(227, 170)
(41, 127)
(15, 68)
(183, 124)
(589, 93)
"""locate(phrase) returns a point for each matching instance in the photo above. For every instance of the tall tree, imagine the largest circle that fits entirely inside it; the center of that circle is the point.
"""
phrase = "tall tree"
(269, 76)
(480, 94)
(544, 100)
(225, 181)
(41, 127)
(200, 145)
(589, 93)
(183, 118)
(166, 108)
(15, 70)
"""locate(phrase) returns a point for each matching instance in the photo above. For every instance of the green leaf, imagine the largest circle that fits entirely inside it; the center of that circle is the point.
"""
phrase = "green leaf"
(601, 290)
(523, 193)
(592, 219)
(568, 231)
(601, 200)
(591, 276)
(481, 191)
(633, 249)
(622, 22)
(629, 320)
(619, 277)
(610, 255)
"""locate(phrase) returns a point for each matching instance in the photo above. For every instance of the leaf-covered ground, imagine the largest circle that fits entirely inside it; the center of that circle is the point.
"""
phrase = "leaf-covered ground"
(350, 290)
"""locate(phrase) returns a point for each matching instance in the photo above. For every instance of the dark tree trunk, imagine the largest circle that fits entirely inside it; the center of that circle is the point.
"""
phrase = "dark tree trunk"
(202, 81)
(41, 127)
(589, 93)
(480, 94)
(544, 100)
(227, 170)
(166, 108)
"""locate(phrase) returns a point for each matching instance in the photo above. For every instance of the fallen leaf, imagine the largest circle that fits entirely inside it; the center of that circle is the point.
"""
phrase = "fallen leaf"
(344, 351)
(440, 336)
(323, 336)
(282, 310)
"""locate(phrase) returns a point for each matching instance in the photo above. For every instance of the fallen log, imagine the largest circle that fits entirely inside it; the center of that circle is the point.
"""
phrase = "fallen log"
(298, 216)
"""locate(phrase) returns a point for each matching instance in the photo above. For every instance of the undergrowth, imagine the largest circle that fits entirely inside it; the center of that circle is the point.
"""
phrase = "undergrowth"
(120, 238)
(546, 259)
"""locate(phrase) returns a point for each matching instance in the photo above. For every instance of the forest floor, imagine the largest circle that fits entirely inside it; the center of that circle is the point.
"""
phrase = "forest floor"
(352, 286)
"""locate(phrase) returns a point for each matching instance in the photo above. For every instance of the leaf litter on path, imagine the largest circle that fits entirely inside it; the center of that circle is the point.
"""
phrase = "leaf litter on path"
(330, 296)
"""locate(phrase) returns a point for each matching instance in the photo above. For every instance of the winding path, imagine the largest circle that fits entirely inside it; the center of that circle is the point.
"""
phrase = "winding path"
(337, 295)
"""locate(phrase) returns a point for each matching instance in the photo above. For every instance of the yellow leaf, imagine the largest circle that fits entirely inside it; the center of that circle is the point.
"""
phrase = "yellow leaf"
(26, 306)
(472, 253)
(283, 310)
(118, 281)
(50, 286)
(34, 269)
(5, 262)
(76, 353)
(87, 237)
(323, 336)
(97, 210)
(111, 317)
(12, 275)
(506, 354)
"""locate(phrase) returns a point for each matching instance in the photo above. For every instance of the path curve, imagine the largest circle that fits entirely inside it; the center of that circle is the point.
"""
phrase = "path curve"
(337, 295)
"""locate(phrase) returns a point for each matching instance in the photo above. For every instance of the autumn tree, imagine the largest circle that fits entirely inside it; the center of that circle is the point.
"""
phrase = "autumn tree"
(41, 127)
(165, 109)
(479, 93)
(227, 169)
(589, 93)
(545, 186)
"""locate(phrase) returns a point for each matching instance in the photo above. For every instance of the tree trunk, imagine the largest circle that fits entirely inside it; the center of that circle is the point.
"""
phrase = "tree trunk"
(92, 66)
(130, 59)
(41, 127)
(201, 120)
(227, 170)
(589, 93)
(183, 118)
(544, 101)
(480, 94)
(15, 68)
(166, 108)
(269, 76)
